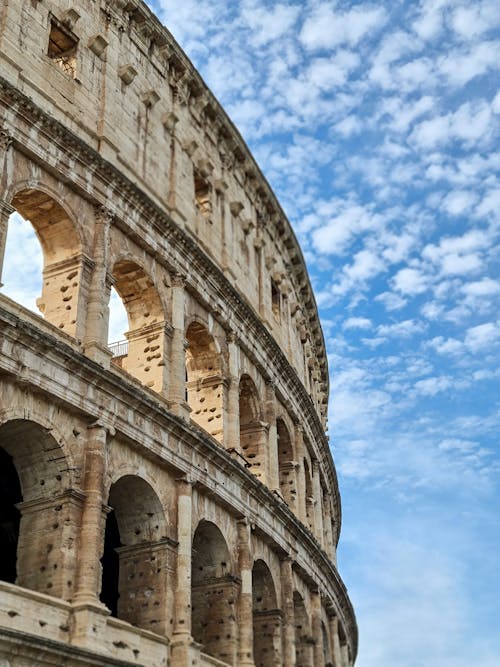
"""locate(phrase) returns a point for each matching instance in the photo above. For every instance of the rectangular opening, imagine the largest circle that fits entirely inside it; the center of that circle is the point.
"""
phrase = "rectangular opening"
(62, 47)
(202, 195)
(275, 299)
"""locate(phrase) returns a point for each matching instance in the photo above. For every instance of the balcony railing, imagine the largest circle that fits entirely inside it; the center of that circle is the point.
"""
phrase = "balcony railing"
(119, 349)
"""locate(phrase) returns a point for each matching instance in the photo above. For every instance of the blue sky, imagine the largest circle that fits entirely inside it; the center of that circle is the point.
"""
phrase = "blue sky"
(377, 125)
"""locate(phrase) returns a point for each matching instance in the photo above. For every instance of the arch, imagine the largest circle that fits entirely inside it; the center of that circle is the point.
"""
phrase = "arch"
(253, 431)
(143, 353)
(286, 465)
(64, 267)
(204, 380)
(214, 594)
(303, 639)
(135, 555)
(38, 504)
(266, 618)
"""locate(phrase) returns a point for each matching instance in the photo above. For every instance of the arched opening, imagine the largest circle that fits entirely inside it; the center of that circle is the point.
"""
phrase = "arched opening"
(253, 431)
(137, 556)
(214, 594)
(286, 464)
(303, 640)
(22, 280)
(266, 618)
(60, 283)
(204, 382)
(309, 496)
(37, 507)
(10, 495)
(143, 351)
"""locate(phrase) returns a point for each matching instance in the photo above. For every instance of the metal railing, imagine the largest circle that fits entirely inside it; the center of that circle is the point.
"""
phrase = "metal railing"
(119, 349)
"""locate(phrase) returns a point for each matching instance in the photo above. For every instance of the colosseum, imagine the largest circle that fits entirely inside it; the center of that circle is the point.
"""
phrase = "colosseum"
(169, 499)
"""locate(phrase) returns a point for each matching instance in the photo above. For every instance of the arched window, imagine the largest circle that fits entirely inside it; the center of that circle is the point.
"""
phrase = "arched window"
(303, 639)
(214, 594)
(253, 431)
(59, 300)
(135, 561)
(204, 380)
(286, 463)
(143, 352)
(266, 618)
(36, 507)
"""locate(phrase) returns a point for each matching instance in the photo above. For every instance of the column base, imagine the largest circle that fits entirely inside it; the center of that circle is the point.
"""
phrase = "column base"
(89, 623)
(98, 353)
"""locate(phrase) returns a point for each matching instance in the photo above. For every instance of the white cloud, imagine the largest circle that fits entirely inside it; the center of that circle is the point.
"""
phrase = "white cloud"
(482, 336)
(357, 323)
(410, 281)
(391, 301)
(326, 28)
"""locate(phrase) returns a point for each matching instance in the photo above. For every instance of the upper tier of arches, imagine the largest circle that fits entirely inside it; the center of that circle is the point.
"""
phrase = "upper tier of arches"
(141, 105)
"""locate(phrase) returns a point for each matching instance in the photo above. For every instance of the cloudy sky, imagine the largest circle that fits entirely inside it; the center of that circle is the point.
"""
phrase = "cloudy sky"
(377, 125)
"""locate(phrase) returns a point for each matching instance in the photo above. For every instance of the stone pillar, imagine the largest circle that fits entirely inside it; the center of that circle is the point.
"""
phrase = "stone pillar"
(272, 472)
(90, 549)
(328, 545)
(288, 613)
(232, 402)
(245, 605)
(318, 502)
(334, 638)
(182, 597)
(344, 652)
(177, 371)
(317, 633)
(96, 330)
(5, 211)
(146, 358)
(301, 481)
(52, 524)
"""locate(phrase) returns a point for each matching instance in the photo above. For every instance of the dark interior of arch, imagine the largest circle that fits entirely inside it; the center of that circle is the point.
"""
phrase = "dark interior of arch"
(10, 494)
(110, 563)
(249, 401)
(263, 590)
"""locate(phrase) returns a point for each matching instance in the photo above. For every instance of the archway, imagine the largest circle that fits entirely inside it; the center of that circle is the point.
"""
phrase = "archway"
(137, 555)
(63, 264)
(303, 640)
(204, 382)
(266, 618)
(253, 431)
(286, 464)
(38, 507)
(10, 495)
(143, 352)
(214, 594)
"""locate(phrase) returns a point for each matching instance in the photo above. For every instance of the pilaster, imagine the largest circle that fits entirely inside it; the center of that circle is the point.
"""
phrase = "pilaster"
(288, 634)
(272, 473)
(245, 625)
(6, 211)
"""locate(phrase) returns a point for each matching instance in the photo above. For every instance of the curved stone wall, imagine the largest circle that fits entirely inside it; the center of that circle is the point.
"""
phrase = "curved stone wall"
(172, 497)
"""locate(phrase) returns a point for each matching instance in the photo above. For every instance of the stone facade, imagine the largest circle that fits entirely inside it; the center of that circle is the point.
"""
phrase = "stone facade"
(171, 500)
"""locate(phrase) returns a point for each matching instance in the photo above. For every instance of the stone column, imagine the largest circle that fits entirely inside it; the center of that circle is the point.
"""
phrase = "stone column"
(232, 403)
(272, 472)
(317, 633)
(245, 605)
(96, 330)
(182, 597)
(177, 383)
(344, 652)
(288, 613)
(89, 614)
(318, 502)
(334, 637)
(91, 542)
(328, 546)
(5, 211)
(301, 482)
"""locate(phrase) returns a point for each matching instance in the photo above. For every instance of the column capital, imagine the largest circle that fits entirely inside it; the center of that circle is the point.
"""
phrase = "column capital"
(6, 209)
(103, 214)
(6, 139)
(178, 279)
(99, 424)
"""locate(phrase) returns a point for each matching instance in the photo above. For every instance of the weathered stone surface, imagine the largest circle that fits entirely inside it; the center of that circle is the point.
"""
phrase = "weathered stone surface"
(171, 500)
